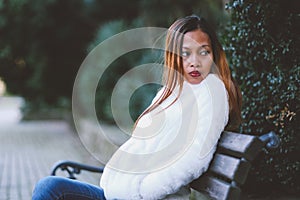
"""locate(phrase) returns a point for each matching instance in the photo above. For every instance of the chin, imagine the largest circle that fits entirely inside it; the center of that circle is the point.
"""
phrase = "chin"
(195, 81)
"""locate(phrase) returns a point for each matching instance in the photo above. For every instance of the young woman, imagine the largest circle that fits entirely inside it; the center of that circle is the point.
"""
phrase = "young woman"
(175, 138)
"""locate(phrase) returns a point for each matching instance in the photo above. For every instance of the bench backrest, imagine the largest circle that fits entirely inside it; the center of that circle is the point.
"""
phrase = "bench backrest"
(227, 172)
(230, 166)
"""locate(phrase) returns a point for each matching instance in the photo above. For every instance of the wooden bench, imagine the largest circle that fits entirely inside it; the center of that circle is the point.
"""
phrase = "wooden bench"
(227, 172)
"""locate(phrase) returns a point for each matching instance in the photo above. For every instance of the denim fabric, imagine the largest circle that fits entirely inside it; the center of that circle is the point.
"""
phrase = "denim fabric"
(58, 188)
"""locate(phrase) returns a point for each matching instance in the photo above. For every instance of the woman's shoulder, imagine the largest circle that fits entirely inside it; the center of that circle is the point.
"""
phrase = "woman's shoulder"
(214, 79)
(215, 82)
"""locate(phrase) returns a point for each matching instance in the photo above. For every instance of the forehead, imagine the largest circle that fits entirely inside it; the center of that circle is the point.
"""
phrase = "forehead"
(195, 38)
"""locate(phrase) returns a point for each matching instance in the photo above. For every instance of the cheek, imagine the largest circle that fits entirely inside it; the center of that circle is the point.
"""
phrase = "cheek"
(207, 61)
(185, 65)
(207, 65)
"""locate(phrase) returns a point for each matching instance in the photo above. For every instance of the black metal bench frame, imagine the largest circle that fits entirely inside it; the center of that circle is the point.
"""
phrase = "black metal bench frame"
(227, 172)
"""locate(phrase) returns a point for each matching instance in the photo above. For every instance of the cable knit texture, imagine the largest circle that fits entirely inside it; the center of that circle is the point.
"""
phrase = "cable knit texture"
(171, 146)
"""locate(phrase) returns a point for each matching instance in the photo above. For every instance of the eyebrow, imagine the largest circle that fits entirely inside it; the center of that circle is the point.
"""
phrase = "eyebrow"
(202, 46)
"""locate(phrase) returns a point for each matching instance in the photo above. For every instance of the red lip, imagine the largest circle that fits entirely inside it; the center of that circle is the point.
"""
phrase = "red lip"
(195, 74)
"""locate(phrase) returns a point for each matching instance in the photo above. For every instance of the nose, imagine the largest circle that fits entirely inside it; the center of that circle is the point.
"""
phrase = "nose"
(194, 61)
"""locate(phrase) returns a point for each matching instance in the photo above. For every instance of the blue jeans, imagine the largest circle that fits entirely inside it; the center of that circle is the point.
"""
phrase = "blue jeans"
(58, 188)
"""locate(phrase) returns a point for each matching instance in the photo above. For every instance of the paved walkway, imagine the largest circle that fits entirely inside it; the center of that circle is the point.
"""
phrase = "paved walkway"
(28, 151)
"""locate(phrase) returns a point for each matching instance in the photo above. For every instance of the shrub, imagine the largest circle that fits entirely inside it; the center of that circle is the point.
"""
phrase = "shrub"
(261, 42)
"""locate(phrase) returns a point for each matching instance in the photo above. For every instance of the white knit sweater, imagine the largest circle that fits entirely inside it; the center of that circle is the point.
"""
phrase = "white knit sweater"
(171, 146)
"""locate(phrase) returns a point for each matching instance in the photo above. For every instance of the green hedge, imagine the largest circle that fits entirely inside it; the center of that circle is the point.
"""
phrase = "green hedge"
(262, 43)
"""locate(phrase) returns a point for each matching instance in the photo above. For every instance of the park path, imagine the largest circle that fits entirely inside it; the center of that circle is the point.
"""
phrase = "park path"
(29, 149)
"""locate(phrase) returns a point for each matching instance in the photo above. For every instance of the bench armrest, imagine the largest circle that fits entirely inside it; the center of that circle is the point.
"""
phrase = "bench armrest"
(74, 168)
(271, 140)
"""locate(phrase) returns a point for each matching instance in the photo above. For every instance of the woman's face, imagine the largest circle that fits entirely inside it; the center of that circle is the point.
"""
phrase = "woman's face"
(196, 55)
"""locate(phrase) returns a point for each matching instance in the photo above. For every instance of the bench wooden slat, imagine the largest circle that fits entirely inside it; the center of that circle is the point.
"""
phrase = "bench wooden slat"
(228, 170)
(240, 145)
(216, 189)
(231, 168)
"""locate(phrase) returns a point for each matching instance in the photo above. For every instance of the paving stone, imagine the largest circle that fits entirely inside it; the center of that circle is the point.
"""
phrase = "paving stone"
(28, 150)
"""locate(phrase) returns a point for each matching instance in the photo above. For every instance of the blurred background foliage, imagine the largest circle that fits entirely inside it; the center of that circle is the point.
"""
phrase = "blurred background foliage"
(43, 44)
(262, 41)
